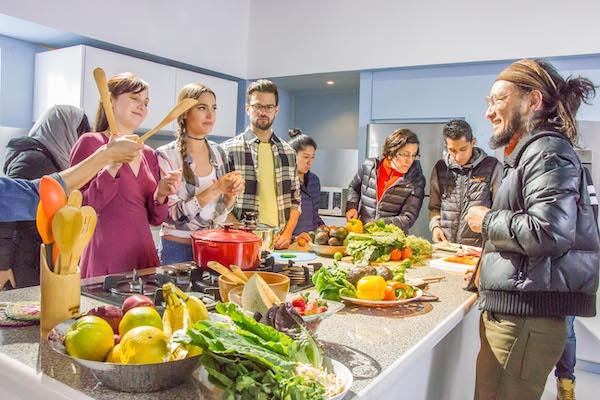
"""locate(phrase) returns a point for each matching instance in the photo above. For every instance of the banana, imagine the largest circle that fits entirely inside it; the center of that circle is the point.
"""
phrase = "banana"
(196, 306)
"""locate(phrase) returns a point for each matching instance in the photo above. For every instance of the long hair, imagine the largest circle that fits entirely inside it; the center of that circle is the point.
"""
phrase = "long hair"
(117, 85)
(189, 91)
(397, 140)
(561, 98)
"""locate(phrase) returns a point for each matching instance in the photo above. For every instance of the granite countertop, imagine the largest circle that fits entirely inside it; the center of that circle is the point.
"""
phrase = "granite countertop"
(368, 341)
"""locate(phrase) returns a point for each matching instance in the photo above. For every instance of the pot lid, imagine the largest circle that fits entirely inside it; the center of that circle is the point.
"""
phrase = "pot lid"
(226, 235)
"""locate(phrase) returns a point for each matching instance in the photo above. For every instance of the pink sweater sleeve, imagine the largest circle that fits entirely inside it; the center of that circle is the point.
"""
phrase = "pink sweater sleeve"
(103, 188)
(157, 213)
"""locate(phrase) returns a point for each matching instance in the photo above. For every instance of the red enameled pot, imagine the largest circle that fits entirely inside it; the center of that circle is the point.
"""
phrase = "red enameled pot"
(227, 246)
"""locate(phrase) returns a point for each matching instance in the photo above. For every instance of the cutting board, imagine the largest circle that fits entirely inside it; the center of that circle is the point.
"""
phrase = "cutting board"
(439, 263)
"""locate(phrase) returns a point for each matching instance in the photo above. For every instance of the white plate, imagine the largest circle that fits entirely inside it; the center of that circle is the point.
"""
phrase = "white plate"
(342, 372)
(332, 308)
(382, 303)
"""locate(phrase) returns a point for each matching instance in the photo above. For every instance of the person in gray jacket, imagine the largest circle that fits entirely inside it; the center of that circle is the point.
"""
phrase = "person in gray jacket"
(390, 187)
(466, 177)
(542, 250)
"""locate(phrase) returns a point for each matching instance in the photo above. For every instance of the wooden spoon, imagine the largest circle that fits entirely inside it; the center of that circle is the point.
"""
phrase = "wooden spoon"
(221, 269)
(102, 85)
(179, 109)
(66, 227)
(88, 226)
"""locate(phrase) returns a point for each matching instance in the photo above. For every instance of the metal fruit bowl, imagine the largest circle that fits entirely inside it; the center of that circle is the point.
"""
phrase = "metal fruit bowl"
(128, 377)
(326, 250)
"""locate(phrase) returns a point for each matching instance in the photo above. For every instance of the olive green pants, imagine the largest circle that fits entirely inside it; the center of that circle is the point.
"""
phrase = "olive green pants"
(516, 355)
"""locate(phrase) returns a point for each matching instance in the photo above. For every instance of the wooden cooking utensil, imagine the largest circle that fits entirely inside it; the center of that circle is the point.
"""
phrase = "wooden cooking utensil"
(66, 227)
(75, 199)
(238, 271)
(88, 225)
(221, 269)
(102, 85)
(179, 109)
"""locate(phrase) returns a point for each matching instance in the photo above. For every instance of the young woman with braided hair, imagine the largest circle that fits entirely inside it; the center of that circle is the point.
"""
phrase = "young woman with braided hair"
(208, 190)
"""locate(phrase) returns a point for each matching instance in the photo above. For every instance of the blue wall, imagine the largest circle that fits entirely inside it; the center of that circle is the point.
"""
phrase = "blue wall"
(17, 62)
(450, 91)
(330, 118)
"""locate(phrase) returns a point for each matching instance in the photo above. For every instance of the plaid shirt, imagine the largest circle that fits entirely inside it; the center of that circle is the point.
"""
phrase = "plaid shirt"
(185, 213)
(242, 153)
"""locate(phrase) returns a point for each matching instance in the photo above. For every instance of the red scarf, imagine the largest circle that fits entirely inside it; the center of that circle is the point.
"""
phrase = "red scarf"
(386, 177)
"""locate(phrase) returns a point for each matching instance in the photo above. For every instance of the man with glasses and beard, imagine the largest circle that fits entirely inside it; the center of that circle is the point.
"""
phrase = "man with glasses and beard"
(541, 246)
(267, 164)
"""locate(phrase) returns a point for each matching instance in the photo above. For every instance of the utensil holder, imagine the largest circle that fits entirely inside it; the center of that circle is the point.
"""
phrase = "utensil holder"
(60, 295)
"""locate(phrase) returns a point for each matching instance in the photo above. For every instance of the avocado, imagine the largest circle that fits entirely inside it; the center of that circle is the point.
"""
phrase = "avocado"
(321, 238)
(341, 233)
(384, 272)
(354, 275)
(312, 236)
(323, 228)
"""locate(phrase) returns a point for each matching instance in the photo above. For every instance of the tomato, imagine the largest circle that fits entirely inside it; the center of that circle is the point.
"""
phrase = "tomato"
(371, 288)
(322, 309)
(355, 225)
(299, 302)
(407, 253)
(396, 255)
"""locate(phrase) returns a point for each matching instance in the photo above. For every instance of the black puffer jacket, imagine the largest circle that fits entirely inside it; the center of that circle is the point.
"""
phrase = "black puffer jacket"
(455, 188)
(19, 241)
(399, 205)
(541, 254)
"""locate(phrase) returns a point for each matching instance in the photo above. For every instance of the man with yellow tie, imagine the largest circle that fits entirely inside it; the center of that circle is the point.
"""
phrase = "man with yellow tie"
(267, 164)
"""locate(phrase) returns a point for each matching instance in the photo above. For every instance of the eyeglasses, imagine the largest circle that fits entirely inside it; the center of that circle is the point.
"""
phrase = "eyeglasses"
(259, 107)
(493, 101)
(407, 156)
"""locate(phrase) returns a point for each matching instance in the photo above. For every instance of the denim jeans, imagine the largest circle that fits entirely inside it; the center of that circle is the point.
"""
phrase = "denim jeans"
(565, 368)
(173, 252)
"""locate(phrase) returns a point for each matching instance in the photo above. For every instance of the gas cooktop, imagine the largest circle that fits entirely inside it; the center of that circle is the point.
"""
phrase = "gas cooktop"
(187, 276)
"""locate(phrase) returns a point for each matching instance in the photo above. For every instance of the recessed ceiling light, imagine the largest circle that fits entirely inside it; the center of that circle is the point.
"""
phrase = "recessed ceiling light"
(330, 83)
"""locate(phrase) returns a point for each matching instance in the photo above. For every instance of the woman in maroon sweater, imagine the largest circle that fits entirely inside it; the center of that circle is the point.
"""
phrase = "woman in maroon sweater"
(127, 197)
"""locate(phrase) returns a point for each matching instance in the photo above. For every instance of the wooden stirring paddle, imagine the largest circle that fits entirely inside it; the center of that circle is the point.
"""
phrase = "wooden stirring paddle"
(238, 271)
(101, 83)
(179, 109)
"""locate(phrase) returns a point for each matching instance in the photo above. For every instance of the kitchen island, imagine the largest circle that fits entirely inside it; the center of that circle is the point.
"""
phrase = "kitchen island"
(425, 350)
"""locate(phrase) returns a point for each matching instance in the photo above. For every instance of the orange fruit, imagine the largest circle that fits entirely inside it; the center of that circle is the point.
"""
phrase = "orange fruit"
(139, 316)
(144, 345)
(89, 338)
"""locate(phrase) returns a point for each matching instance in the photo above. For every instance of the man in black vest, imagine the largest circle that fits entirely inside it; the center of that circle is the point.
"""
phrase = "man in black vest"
(466, 177)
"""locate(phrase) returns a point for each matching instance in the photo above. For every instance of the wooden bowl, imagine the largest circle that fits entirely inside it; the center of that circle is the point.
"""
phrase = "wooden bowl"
(326, 250)
(278, 282)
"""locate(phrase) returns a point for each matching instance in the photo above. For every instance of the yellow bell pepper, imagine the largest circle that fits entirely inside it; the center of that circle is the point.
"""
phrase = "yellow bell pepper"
(371, 288)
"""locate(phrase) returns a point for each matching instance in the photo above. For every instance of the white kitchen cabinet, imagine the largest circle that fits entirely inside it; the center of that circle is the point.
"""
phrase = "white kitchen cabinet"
(64, 76)
(226, 92)
(160, 78)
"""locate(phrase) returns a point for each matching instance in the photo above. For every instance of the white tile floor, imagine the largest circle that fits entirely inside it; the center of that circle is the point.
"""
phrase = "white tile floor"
(587, 386)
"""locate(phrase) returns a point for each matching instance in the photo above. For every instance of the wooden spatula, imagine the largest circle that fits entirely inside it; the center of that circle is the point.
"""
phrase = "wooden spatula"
(88, 225)
(238, 272)
(102, 85)
(223, 270)
(179, 109)
(66, 227)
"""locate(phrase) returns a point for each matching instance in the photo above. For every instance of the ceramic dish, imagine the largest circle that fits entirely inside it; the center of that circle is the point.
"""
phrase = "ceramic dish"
(382, 303)
(325, 250)
(295, 256)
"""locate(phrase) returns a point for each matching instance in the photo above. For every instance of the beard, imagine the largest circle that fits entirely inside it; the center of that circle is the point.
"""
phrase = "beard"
(515, 125)
(262, 125)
